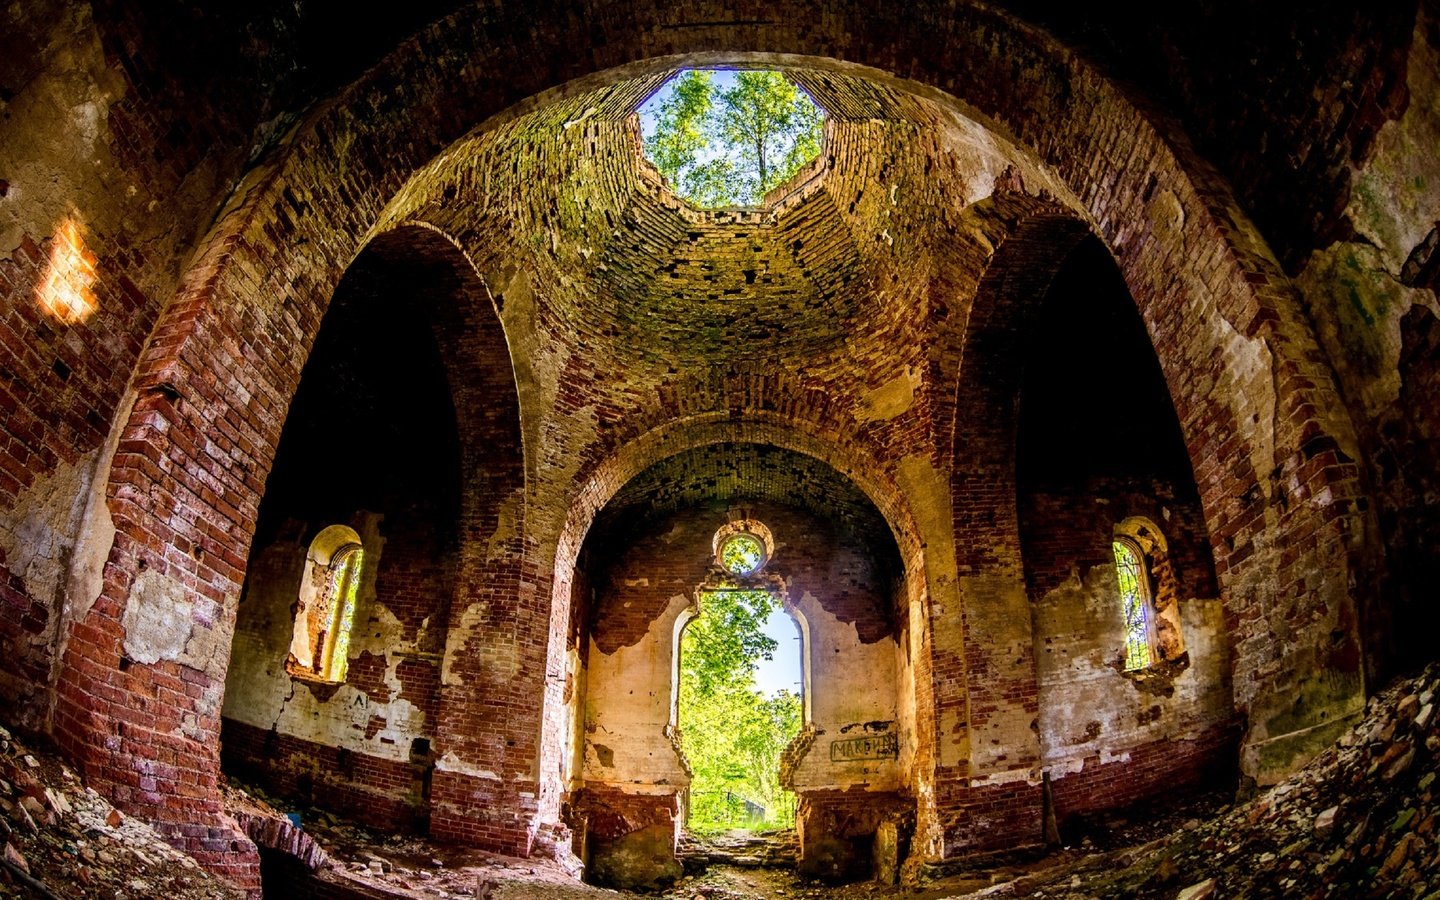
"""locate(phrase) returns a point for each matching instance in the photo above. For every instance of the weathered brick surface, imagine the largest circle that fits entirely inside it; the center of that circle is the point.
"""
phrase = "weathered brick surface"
(873, 336)
(1148, 773)
(384, 794)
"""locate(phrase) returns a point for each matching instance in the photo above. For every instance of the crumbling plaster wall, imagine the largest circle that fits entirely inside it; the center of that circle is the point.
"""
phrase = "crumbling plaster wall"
(651, 589)
(629, 700)
(109, 174)
(373, 712)
(220, 332)
(1092, 712)
(1372, 296)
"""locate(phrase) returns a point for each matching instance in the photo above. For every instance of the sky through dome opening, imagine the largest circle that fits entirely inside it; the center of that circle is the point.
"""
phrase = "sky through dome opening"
(725, 138)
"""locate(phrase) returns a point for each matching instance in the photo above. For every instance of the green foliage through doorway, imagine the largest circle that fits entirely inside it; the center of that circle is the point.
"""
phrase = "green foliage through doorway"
(732, 733)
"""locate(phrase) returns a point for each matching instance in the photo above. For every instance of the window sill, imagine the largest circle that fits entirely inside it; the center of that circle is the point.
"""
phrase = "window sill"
(1158, 678)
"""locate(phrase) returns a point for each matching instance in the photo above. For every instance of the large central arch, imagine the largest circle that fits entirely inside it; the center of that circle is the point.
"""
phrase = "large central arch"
(230, 346)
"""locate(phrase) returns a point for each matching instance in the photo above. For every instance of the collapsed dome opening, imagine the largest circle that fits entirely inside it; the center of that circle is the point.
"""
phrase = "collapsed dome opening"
(726, 138)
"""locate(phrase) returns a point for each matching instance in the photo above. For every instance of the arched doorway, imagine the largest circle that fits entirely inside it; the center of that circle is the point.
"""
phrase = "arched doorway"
(399, 449)
(812, 543)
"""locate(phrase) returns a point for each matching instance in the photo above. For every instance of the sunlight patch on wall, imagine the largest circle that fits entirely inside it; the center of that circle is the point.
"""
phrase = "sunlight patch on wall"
(66, 293)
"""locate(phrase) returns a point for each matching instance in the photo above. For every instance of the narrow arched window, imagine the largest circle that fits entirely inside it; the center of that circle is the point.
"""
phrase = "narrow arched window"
(1135, 603)
(325, 611)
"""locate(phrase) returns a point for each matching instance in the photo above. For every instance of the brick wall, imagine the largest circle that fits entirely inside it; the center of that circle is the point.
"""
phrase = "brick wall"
(1148, 774)
(652, 551)
(384, 794)
(873, 350)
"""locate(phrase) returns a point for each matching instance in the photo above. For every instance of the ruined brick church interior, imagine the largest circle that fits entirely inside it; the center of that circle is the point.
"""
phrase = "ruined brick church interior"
(372, 414)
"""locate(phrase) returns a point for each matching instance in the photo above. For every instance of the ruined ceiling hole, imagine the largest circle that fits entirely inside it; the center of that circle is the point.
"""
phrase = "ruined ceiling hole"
(726, 138)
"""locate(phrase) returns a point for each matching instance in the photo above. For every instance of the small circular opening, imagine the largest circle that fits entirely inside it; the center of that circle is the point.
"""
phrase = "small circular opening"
(742, 554)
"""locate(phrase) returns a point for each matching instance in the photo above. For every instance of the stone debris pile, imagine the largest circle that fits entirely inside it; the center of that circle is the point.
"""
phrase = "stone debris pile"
(746, 849)
(1360, 821)
(63, 840)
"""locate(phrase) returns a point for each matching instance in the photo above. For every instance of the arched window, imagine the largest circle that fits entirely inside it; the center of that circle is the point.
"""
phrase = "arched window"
(325, 613)
(1135, 603)
(1149, 596)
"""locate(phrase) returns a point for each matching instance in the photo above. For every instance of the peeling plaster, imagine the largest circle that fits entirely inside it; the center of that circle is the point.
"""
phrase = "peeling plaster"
(1363, 303)
(1248, 379)
(1395, 194)
(892, 399)
(1167, 217)
(260, 692)
(471, 622)
(65, 533)
(629, 703)
(1088, 707)
(851, 683)
(508, 528)
(452, 763)
(157, 620)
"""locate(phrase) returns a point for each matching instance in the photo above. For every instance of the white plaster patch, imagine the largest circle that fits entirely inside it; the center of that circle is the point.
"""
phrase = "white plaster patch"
(452, 763)
(1167, 216)
(981, 155)
(37, 547)
(1349, 276)
(507, 527)
(1011, 776)
(456, 638)
(1248, 379)
(1395, 200)
(157, 619)
(629, 702)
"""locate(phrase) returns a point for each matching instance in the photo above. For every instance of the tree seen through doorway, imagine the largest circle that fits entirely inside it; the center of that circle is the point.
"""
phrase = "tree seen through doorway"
(732, 731)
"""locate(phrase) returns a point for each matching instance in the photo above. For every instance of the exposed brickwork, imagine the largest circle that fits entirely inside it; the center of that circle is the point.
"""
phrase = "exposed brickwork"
(870, 319)
(381, 793)
(610, 813)
(839, 828)
(992, 818)
(831, 543)
(1147, 773)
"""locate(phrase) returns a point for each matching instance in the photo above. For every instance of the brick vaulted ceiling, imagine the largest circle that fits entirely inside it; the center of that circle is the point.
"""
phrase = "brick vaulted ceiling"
(728, 476)
(831, 264)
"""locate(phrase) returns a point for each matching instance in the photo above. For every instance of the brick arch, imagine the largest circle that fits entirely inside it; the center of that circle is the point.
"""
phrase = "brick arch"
(985, 685)
(495, 553)
(1032, 239)
(217, 543)
(605, 480)
(225, 357)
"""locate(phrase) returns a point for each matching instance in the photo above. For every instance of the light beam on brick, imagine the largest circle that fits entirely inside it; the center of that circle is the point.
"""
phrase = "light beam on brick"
(66, 293)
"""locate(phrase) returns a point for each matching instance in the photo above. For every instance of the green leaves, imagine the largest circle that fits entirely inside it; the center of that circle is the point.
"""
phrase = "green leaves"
(729, 144)
(733, 735)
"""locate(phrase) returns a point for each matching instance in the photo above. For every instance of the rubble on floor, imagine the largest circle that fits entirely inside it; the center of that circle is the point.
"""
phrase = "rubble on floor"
(63, 840)
(744, 849)
(1360, 821)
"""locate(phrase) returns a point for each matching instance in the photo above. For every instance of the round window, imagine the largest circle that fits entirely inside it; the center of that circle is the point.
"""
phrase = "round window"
(742, 553)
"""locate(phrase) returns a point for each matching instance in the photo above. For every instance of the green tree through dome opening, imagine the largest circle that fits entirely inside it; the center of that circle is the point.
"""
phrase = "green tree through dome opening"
(732, 733)
(726, 138)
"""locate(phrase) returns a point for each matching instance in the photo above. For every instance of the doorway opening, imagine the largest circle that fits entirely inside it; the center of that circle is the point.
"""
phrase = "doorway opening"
(740, 702)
